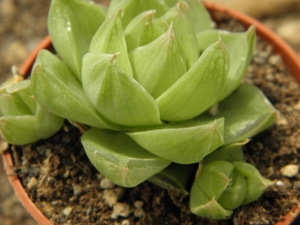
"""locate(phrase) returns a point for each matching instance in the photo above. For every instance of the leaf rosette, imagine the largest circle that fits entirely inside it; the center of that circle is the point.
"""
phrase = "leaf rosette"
(154, 82)
(224, 182)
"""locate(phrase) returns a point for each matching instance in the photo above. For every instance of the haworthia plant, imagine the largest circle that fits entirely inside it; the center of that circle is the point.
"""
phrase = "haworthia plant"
(160, 91)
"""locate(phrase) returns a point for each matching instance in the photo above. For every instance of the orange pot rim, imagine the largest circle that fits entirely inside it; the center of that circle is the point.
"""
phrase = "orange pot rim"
(288, 55)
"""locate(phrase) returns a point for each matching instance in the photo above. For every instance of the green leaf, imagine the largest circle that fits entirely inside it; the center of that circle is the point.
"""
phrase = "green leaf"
(117, 96)
(240, 46)
(184, 143)
(132, 8)
(199, 88)
(18, 130)
(17, 100)
(199, 16)
(175, 177)
(179, 17)
(232, 152)
(216, 176)
(207, 189)
(9, 82)
(119, 158)
(142, 30)
(59, 92)
(235, 193)
(158, 65)
(71, 26)
(247, 112)
(46, 124)
(110, 39)
(171, 3)
(22, 92)
(256, 184)
(210, 209)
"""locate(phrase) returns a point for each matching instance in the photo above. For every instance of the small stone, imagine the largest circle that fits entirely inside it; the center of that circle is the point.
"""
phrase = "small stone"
(32, 183)
(110, 197)
(290, 170)
(125, 222)
(281, 120)
(139, 213)
(275, 59)
(279, 183)
(138, 204)
(89, 210)
(106, 183)
(77, 189)
(3, 145)
(67, 211)
(121, 209)
(56, 202)
(51, 180)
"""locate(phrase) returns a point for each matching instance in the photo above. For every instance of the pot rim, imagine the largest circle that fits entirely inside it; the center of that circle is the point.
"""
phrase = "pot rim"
(288, 55)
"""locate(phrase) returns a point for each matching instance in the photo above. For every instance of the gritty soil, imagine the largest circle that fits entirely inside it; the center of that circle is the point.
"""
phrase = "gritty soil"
(69, 190)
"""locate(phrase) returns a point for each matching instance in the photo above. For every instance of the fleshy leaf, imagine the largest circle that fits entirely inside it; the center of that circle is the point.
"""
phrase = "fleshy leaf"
(110, 39)
(18, 130)
(46, 124)
(179, 16)
(256, 184)
(142, 30)
(210, 209)
(184, 143)
(231, 152)
(175, 177)
(158, 65)
(9, 82)
(132, 8)
(22, 91)
(208, 187)
(119, 158)
(59, 92)
(240, 47)
(17, 100)
(235, 194)
(199, 88)
(247, 112)
(199, 16)
(71, 26)
(117, 96)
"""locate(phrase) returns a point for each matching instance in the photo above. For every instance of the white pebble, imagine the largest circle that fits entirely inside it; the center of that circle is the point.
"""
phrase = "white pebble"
(138, 204)
(279, 183)
(139, 213)
(290, 170)
(3, 145)
(32, 183)
(77, 189)
(121, 209)
(125, 222)
(67, 210)
(106, 183)
(111, 196)
(275, 59)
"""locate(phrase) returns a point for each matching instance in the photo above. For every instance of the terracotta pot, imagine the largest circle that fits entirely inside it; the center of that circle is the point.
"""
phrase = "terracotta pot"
(289, 57)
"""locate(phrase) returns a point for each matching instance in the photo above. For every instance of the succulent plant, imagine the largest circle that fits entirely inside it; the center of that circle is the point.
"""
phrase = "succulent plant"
(22, 119)
(160, 91)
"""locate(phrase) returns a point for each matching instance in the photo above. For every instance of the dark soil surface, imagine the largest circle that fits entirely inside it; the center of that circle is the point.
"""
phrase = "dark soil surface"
(69, 190)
